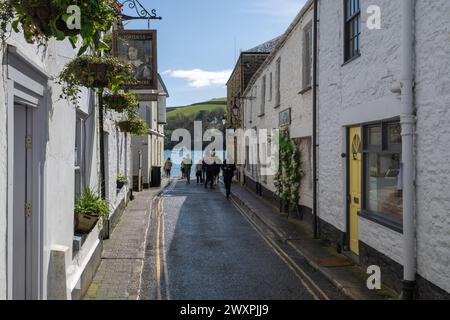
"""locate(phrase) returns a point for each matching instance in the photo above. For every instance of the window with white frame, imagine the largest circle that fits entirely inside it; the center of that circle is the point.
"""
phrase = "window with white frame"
(278, 83)
(270, 86)
(352, 27)
(263, 96)
(307, 57)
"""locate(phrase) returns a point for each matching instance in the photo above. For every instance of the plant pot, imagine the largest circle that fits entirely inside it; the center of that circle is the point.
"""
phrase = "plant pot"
(120, 185)
(84, 223)
(42, 12)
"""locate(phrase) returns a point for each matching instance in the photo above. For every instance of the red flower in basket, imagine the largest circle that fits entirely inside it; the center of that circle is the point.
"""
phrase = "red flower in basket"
(119, 6)
(119, 107)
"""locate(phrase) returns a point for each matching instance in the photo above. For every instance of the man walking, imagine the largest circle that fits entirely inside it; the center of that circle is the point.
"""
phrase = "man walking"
(198, 172)
(187, 166)
(209, 165)
(228, 173)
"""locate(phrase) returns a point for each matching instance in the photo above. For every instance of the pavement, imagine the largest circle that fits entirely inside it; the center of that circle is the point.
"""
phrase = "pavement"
(348, 278)
(201, 246)
(119, 274)
(185, 242)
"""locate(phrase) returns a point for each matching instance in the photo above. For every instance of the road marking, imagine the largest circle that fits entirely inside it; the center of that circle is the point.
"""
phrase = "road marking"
(298, 271)
(158, 267)
(164, 257)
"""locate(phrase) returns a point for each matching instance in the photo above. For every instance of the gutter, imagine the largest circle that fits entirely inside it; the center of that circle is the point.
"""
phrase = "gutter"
(407, 119)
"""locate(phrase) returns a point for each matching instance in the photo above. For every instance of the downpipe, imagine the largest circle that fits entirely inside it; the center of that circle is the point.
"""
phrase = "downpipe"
(407, 120)
(314, 124)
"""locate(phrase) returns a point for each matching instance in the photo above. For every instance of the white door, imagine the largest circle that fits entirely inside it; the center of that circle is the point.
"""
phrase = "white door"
(22, 204)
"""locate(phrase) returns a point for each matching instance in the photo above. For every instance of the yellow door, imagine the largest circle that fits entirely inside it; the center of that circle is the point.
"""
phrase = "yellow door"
(355, 187)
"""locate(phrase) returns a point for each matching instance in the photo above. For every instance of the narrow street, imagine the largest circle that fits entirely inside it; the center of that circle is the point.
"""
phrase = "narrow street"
(202, 247)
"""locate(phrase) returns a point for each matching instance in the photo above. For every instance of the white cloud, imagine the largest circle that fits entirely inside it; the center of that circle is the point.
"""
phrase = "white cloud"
(276, 8)
(200, 78)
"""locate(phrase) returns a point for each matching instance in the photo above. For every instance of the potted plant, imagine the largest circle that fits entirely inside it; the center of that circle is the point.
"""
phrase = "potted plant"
(93, 72)
(133, 124)
(121, 181)
(44, 19)
(89, 208)
(121, 102)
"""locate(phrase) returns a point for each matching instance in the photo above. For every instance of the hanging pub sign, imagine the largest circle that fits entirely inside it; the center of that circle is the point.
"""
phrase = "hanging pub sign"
(138, 48)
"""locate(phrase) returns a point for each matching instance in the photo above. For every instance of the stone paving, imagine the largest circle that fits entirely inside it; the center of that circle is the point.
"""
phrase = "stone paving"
(119, 274)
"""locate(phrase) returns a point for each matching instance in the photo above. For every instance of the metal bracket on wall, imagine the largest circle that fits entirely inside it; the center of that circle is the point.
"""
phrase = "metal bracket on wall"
(141, 12)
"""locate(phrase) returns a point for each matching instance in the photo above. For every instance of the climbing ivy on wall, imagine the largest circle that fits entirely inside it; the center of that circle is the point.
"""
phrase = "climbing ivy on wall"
(290, 173)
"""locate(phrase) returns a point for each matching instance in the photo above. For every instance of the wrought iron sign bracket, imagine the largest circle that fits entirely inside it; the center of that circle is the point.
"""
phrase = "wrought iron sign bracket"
(141, 12)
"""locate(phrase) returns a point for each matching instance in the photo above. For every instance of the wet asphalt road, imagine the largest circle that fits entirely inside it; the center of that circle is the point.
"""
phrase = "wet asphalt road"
(201, 247)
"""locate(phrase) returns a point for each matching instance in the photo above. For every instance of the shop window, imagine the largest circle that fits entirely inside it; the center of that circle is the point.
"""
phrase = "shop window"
(383, 186)
(307, 57)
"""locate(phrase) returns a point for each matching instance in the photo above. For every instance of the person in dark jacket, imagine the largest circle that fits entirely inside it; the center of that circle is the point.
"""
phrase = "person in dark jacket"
(203, 171)
(228, 173)
(209, 175)
(198, 172)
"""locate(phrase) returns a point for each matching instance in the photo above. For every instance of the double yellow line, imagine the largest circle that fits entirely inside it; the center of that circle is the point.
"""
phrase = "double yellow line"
(305, 280)
(161, 259)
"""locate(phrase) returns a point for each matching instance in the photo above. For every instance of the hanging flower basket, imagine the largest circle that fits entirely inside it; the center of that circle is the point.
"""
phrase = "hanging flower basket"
(44, 14)
(121, 102)
(93, 72)
(134, 125)
(43, 19)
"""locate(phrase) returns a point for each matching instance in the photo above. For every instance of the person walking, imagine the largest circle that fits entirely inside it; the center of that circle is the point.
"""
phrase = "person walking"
(228, 173)
(187, 166)
(199, 172)
(168, 167)
(203, 171)
(209, 164)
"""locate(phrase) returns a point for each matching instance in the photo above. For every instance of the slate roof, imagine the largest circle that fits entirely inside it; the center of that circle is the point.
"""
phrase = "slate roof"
(163, 85)
(266, 47)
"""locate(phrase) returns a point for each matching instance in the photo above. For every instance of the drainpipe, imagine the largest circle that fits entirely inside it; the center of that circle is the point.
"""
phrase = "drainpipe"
(314, 116)
(407, 119)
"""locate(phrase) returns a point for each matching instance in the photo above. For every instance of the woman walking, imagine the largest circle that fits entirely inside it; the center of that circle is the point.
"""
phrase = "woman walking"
(168, 167)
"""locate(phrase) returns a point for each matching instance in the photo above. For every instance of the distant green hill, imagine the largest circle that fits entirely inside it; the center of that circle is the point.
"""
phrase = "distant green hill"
(193, 109)
(210, 113)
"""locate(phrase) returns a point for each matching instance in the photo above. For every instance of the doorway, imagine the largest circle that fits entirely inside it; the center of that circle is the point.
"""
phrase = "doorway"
(22, 271)
(354, 176)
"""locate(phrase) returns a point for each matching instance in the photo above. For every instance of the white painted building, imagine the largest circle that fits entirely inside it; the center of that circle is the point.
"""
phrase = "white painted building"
(278, 96)
(49, 151)
(148, 150)
(361, 195)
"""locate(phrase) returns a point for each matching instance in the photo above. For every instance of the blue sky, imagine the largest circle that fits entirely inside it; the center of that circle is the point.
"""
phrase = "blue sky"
(197, 40)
